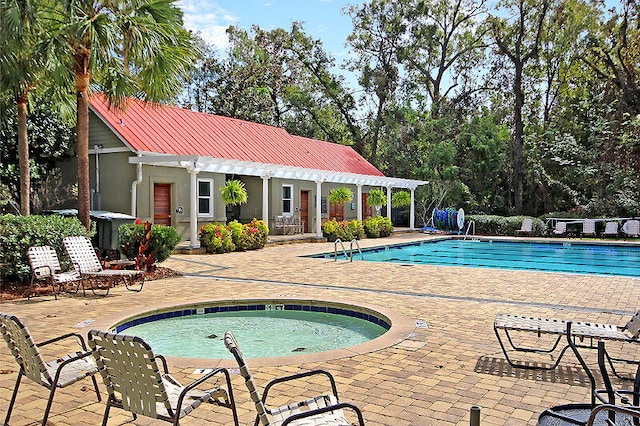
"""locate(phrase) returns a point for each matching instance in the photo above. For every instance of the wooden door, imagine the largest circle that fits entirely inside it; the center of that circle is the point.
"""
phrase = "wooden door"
(304, 210)
(366, 210)
(336, 211)
(162, 204)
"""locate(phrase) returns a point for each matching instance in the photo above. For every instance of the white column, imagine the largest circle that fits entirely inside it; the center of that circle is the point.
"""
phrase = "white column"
(412, 214)
(359, 200)
(388, 202)
(319, 208)
(265, 198)
(193, 210)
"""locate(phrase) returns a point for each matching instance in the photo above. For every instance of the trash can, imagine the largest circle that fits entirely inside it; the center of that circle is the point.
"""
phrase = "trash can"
(107, 224)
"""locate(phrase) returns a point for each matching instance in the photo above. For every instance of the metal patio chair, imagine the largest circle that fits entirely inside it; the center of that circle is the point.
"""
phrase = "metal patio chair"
(526, 227)
(60, 372)
(610, 229)
(86, 263)
(45, 265)
(618, 406)
(135, 383)
(589, 227)
(319, 410)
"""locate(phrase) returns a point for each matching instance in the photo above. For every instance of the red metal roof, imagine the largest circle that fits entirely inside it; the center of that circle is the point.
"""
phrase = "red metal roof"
(156, 128)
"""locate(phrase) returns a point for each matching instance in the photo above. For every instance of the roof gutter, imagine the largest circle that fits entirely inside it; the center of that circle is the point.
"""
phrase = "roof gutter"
(134, 189)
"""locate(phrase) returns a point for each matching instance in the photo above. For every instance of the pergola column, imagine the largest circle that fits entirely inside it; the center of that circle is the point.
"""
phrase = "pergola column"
(359, 200)
(193, 210)
(319, 208)
(412, 214)
(389, 202)
(265, 198)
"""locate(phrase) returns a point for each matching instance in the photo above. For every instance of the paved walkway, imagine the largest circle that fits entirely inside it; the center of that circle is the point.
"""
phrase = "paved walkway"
(433, 377)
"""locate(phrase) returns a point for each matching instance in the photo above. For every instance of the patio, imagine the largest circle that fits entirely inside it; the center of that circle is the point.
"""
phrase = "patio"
(433, 377)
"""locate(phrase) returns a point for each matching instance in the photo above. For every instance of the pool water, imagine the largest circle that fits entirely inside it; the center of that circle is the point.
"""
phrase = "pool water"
(552, 257)
(265, 333)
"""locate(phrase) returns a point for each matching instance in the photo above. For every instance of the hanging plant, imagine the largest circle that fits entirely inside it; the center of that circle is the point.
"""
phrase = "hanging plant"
(234, 193)
(340, 195)
(376, 199)
(401, 199)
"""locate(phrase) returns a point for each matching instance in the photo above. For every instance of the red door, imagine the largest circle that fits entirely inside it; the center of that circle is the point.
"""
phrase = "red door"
(304, 210)
(336, 211)
(366, 210)
(162, 204)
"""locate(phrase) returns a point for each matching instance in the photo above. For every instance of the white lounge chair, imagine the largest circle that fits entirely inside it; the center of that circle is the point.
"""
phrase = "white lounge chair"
(319, 410)
(561, 228)
(526, 227)
(589, 227)
(46, 266)
(631, 228)
(59, 372)
(136, 384)
(86, 262)
(610, 229)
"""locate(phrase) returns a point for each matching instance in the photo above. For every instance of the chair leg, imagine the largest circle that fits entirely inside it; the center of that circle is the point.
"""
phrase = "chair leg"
(95, 386)
(49, 402)
(13, 398)
(106, 412)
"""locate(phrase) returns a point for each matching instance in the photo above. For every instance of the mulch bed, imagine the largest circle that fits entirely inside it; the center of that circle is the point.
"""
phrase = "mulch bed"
(11, 290)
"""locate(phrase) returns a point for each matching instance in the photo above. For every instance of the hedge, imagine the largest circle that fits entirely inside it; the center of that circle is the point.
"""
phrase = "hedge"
(501, 225)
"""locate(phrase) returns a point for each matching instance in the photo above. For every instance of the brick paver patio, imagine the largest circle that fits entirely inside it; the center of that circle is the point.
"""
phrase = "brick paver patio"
(432, 377)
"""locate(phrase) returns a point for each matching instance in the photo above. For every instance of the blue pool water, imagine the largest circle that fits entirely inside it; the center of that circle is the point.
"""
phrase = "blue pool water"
(551, 257)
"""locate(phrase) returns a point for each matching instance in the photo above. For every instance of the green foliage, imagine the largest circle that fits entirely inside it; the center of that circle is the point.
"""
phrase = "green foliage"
(376, 198)
(378, 227)
(234, 192)
(401, 199)
(340, 195)
(506, 226)
(343, 230)
(216, 238)
(219, 238)
(164, 240)
(18, 233)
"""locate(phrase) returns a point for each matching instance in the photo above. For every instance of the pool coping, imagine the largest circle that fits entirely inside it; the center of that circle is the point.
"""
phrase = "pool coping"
(402, 328)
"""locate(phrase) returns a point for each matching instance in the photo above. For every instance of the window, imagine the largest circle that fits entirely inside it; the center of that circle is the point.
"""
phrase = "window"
(287, 199)
(205, 197)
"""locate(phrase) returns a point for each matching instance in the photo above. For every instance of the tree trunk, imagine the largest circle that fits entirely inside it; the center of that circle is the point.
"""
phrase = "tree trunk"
(518, 135)
(82, 86)
(23, 155)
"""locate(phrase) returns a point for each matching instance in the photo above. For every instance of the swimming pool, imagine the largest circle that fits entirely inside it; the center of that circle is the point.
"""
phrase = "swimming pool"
(572, 257)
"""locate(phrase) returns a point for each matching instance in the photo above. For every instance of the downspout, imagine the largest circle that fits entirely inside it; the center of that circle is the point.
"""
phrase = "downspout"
(134, 191)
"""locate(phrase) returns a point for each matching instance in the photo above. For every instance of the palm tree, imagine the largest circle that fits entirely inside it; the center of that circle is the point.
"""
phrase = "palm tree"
(129, 48)
(20, 66)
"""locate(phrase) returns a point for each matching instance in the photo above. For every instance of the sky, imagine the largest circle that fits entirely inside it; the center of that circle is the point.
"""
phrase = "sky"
(322, 18)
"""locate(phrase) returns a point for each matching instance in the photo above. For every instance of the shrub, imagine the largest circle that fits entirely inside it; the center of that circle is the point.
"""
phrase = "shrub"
(378, 226)
(251, 236)
(216, 238)
(501, 225)
(163, 240)
(18, 233)
(344, 230)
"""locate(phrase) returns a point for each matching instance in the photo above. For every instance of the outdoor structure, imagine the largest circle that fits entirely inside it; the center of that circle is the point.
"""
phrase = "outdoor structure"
(166, 164)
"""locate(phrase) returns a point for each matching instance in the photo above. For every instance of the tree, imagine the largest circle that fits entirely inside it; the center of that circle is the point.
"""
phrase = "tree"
(129, 48)
(518, 39)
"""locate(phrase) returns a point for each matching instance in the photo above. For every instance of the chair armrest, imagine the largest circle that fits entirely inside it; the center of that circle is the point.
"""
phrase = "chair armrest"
(327, 409)
(65, 336)
(163, 360)
(202, 379)
(332, 381)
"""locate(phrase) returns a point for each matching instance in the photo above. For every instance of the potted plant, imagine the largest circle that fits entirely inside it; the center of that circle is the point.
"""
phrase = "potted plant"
(340, 195)
(401, 199)
(233, 192)
(377, 199)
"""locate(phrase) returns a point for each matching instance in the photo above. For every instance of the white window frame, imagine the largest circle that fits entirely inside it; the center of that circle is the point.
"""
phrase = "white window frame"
(209, 197)
(290, 212)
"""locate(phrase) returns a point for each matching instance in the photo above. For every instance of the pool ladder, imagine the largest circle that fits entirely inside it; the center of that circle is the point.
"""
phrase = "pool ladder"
(472, 224)
(348, 256)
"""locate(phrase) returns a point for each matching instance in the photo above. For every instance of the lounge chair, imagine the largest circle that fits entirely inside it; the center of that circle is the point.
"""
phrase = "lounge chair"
(589, 227)
(134, 382)
(59, 372)
(619, 407)
(579, 333)
(526, 227)
(610, 229)
(631, 228)
(561, 228)
(86, 263)
(46, 266)
(320, 410)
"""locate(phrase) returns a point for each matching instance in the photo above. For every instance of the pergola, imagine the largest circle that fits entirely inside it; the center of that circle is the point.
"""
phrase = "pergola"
(195, 164)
